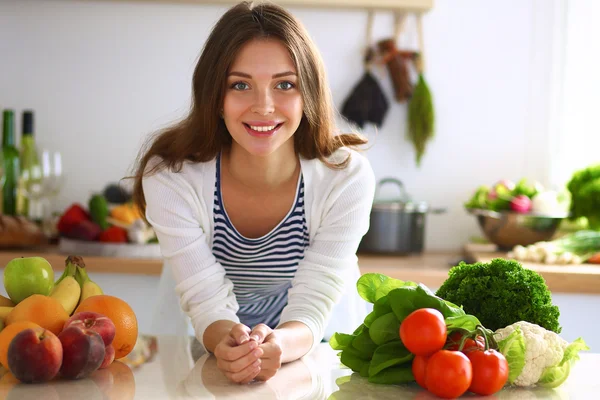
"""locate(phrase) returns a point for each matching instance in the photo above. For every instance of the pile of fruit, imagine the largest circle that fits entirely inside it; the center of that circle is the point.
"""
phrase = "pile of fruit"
(523, 197)
(106, 222)
(67, 329)
(446, 347)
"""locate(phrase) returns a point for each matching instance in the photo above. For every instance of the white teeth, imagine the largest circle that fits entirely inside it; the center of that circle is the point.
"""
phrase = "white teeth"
(262, 128)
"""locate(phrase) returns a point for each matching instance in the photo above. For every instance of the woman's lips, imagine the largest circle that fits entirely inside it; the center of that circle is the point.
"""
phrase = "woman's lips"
(262, 134)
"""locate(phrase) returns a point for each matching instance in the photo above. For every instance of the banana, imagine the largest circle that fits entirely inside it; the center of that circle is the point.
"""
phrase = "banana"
(4, 311)
(67, 293)
(66, 289)
(6, 302)
(89, 288)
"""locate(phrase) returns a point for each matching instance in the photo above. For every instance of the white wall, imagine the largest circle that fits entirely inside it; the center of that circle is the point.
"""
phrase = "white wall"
(101, 75)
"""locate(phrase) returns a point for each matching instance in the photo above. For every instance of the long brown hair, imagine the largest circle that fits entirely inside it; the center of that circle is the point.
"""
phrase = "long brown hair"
(200, 136)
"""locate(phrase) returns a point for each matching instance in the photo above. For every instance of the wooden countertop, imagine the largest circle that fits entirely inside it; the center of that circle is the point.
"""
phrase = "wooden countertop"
(430, 268)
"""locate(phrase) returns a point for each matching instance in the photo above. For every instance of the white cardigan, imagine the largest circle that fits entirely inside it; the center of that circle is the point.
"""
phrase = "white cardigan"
(337, 206)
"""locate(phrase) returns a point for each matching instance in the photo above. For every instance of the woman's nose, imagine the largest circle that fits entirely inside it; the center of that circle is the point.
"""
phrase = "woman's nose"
(263, 103)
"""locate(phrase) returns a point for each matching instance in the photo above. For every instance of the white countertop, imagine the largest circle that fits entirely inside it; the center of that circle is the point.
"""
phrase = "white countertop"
(173, 374)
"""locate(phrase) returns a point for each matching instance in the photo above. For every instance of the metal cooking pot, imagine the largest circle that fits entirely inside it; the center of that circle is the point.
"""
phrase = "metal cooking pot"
(397, 225)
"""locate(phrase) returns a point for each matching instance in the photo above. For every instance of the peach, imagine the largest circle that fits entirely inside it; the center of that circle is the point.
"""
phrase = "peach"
(109, 356)
(94, 321)
(83, 352)
(35, 355)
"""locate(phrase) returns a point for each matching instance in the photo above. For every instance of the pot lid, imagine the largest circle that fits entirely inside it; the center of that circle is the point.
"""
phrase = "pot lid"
(401, 202)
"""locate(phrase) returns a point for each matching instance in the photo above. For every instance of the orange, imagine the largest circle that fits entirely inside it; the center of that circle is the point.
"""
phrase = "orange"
(8, 334)
(43, 310)
(121, 314)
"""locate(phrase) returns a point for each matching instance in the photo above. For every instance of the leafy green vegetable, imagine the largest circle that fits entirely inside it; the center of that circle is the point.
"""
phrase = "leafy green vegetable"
(555, 376)
(384, 329)
(468, 322)
(501, 293)
(374, 350)
(364, 344)
(381, 307)
(394, 375)
(389, 355)
(584, 187)
(339, 341)
(373, 286)
(353, 359)
(513, 349)
(407, 299)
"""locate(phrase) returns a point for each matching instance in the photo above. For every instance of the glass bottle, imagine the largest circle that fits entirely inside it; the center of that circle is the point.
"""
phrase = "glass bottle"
(11, 163)
(30, 182)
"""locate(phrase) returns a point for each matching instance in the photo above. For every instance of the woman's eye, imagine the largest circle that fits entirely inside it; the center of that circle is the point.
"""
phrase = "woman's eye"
(286, 85)
(239, 86)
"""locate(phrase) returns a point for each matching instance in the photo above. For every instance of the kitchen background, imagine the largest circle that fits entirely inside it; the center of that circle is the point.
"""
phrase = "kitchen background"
(514, 83)
(102, 75)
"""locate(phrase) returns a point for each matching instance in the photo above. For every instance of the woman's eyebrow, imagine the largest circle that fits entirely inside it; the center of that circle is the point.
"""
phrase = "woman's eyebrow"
(244, 75)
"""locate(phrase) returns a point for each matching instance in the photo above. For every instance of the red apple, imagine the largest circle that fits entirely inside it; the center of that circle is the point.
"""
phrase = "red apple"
(93, 321)
(83, 352)
(35, 355)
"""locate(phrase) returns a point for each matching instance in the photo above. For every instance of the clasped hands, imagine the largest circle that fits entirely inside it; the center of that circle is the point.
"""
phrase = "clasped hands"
(246, 354)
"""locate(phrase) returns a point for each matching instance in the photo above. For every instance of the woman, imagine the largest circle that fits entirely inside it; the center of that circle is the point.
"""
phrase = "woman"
(258, 206)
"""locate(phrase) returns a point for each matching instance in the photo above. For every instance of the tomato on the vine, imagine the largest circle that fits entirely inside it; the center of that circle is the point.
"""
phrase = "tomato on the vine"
(455, 338)
(448, 374)
(490, 371)
(419, 367)
(423, 332)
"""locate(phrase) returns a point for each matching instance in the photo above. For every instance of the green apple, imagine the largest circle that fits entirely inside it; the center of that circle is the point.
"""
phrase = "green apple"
(26, 276)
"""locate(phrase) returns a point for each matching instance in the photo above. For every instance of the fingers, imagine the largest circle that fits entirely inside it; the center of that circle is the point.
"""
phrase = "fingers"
(228, 350)
(260, 332)
(241, 363)
(245, 375)
(241, 333)
(271, 360)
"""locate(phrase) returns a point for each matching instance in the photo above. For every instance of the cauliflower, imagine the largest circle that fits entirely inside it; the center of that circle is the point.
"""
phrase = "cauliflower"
(543, 348)
(536, 355)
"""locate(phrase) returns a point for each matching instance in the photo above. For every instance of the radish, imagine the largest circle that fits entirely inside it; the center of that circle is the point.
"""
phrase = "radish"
(520, 204)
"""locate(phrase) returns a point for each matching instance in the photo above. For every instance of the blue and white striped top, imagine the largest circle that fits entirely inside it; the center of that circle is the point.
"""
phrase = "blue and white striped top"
(261, 269)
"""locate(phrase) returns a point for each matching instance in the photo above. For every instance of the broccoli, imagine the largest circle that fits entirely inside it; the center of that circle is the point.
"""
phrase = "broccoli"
(501, 293)
(584, 187)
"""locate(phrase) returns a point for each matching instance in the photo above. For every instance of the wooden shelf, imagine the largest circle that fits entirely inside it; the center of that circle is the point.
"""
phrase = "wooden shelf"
(418, 6)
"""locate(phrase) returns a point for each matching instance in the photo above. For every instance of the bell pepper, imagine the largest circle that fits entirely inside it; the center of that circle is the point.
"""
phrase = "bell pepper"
(71, 218)
(126, 213)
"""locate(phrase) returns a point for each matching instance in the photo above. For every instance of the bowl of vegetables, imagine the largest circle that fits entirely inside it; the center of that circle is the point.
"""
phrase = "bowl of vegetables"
(523, 213)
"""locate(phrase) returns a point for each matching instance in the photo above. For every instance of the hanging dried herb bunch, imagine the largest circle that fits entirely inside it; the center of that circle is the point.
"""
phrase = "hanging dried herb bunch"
(421, 113)
(421, 118)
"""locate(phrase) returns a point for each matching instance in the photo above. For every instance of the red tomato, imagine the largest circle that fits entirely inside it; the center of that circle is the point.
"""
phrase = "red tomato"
(490, 371)
(419, 366)
(423, 332)
(449, 374)
(454, 343)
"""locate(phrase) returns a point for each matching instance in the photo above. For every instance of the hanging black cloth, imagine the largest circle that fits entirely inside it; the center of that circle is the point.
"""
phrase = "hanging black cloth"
(366, 102)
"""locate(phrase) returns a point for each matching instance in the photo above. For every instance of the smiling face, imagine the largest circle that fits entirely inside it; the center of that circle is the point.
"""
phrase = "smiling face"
(262, 104)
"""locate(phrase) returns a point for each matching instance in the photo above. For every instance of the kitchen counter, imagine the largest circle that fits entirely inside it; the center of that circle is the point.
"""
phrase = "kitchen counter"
(175, 373)
(429, 268)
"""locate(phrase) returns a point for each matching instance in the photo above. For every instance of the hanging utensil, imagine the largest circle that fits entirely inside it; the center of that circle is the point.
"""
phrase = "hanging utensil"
(366, 102)
(396, 62)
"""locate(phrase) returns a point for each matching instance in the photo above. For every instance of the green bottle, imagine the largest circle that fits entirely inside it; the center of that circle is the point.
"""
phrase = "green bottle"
(31, 171)
(11, 164)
